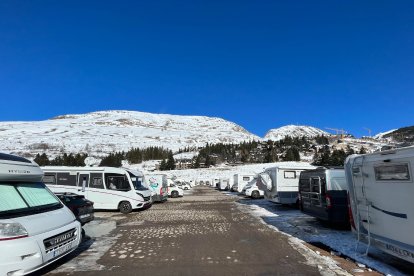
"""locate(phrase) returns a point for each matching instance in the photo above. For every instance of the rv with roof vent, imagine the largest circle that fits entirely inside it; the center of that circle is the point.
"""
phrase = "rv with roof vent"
(109, 188)
(36, 229)
(381, 187)
(281, 183)
(323, 193)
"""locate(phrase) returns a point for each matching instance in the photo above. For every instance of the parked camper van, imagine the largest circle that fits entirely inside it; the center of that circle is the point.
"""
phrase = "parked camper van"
(224, 184)
(281, 183)
(174, 190)
(252, 190)
(36, 229)
(381, 189)
(241, 180)
(323, 193)
(107, 187)
(159, 184)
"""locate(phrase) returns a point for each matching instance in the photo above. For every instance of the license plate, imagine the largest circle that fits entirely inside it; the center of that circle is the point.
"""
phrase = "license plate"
(85, 216)
(63, 249)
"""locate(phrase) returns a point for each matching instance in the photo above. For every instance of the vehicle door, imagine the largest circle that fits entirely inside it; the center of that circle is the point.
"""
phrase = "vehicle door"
(83, 184)
(96, 190)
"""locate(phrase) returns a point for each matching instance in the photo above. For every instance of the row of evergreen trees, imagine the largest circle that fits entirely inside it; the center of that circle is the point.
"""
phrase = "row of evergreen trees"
(77, 160)
(134, 156)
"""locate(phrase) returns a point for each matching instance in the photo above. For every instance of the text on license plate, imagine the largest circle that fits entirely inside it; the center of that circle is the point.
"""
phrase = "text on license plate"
(85, 216)
(61, 250)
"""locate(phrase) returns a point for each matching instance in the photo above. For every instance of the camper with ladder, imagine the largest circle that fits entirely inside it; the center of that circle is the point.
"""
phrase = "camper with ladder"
(381, 187)
(281, 183)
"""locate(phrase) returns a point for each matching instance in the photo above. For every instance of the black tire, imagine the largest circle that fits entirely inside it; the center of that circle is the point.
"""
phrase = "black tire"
(255, 194)
(125, 207)
(174, 194)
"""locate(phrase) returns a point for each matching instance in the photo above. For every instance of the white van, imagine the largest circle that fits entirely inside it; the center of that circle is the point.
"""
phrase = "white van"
(174, 190)
(36, 229)
(109, 188)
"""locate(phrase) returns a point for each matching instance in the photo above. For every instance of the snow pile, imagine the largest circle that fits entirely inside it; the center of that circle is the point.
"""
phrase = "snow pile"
(382, 134)
(294, 131)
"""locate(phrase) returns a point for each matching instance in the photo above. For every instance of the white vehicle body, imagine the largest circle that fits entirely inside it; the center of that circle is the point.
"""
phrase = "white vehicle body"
(281, 183)
(241, 180)
(224, 184)
(254, 191)
(159, 184)
(36, 229)
(109, 188)
(215, 182)
(381, 186)
(174, 190)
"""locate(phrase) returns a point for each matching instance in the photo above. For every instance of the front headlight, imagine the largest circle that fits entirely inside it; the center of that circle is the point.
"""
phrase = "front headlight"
(11, 231)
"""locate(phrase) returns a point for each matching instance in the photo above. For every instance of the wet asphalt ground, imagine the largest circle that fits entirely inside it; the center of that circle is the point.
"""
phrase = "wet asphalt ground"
(204, 233)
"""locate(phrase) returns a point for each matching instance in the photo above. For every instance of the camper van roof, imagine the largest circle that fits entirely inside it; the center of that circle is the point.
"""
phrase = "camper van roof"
(9, 157)
(15, 168)
(294, 166)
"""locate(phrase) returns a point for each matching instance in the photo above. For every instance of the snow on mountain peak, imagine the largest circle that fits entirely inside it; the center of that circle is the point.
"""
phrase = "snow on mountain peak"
(293, 131)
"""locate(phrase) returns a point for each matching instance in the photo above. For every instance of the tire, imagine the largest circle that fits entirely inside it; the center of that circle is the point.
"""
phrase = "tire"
(174, 194)
(255, 194)
(125, 207)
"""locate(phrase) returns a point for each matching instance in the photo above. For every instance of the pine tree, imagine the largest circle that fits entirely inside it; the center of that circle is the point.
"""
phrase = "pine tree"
(170, 161)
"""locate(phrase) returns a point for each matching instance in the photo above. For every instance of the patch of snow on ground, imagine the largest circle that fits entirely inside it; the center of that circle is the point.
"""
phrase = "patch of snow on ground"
(302, 227)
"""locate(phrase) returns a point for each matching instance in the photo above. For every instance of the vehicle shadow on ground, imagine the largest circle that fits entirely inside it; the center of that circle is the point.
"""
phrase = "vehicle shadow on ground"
(84, 246)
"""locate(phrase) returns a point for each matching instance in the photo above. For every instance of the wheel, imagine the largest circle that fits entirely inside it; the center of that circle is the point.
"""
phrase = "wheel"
(255, 194)
(174, 194)
(125, 207)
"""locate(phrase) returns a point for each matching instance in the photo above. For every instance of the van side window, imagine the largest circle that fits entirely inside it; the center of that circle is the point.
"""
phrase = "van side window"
(315, 185)
(290, 174)
(65, 179)
(49, 178)
(96, 181)
(118, 182)
(246, 178)
(392, 172)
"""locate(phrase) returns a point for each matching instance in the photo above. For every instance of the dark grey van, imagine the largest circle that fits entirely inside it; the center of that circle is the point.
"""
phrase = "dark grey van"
(323, 193)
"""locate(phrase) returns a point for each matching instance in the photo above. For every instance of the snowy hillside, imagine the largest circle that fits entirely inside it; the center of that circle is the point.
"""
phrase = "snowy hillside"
(383, 134)
(293, 131)
(99, 133)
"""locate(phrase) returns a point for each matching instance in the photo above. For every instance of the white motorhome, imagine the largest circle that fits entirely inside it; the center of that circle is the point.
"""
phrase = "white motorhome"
(381, 186)
(281, 183)
(159, 184)
(241, 180)
(252, 190)
(224, 184)
(36, 229)
(174, 190)
(109, 188)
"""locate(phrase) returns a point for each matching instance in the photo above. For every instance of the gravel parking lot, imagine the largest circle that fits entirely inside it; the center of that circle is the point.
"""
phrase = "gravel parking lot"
(204, 233)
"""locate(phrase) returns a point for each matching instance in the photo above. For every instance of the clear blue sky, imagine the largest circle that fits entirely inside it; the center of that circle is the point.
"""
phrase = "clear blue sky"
(261, 64)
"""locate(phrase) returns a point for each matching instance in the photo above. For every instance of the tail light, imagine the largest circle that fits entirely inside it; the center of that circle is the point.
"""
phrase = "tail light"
(161, 191)
(328, 201)
(351, 217)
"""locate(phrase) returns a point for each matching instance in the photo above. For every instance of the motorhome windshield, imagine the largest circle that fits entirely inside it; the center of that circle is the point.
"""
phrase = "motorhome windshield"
(137, 182)
(22, 199)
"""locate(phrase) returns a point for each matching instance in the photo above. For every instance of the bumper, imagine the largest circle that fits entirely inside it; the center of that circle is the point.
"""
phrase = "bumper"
(26, 255)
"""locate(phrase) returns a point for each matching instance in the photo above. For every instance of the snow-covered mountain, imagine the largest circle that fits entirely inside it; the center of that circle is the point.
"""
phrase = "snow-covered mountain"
(99, 133)
(293, 131)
